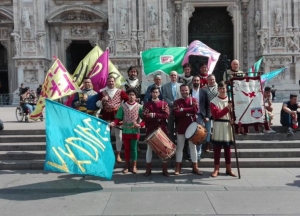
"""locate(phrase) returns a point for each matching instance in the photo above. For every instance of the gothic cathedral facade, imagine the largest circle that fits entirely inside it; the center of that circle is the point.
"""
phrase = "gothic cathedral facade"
(33, 31)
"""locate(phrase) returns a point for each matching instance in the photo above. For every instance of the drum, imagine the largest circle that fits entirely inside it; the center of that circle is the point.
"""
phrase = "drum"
(196, 133)
(161, 144)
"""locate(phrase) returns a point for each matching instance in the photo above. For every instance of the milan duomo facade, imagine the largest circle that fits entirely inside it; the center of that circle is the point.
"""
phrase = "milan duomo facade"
(32, 31)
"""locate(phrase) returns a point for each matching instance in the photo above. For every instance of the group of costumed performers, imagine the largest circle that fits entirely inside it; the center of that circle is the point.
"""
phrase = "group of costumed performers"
(122, 109)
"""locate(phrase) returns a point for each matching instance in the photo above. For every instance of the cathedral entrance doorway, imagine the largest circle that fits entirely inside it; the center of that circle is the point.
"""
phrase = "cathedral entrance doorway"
(212, 26)
(4, 88)
(75, 53)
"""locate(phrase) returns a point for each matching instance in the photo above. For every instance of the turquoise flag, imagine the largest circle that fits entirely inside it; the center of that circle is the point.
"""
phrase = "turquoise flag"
(163, 59)
(270, 75)
(255, 68)
(77, 143)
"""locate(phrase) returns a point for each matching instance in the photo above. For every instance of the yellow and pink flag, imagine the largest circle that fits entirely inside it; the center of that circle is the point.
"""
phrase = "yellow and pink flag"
(58, 83)
(88, 62)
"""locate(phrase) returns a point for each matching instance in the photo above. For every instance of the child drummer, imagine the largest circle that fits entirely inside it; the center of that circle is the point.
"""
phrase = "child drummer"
(155, 114)
(185, 110)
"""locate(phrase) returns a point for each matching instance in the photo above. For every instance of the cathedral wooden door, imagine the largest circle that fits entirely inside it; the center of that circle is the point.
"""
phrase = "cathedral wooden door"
(212, 26)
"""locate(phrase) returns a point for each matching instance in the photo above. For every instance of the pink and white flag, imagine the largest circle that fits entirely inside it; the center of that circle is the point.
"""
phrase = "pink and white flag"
(200, 49)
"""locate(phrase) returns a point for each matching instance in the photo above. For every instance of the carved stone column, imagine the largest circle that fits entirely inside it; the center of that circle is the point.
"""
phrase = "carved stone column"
(178, 17)
(187, 13)
(245, 33)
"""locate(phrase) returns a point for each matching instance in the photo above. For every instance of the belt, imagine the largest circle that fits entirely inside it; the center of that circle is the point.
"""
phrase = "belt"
(110, 110)
(221, 120)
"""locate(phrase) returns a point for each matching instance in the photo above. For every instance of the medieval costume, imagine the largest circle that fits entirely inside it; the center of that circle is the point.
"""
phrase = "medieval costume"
(109, 109)
(185, 111)
(186, 80)
(88, 106)
(133, 82)
(130, 114)
(155, 115)
(223, 134)
(203, 80)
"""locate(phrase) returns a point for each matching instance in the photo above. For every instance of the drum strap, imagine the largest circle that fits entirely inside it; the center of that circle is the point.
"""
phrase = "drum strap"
(222, 120)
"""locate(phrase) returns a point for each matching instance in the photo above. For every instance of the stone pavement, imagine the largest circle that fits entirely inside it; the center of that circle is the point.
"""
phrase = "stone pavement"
(260, 191)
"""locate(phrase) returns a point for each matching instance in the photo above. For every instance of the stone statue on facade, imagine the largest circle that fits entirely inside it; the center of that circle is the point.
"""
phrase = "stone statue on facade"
(165, 38)
(257, 20)
(26, 21)
(123, 20)
(17, 43)
(152, 21)
(264, 38)
(166, 19)
(134, 42)
(41, 42)
(111, 43)
(141, 41)
(290, 43)
(278, 17)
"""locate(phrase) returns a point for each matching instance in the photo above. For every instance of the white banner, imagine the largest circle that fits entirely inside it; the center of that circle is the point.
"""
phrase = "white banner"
(248, 101)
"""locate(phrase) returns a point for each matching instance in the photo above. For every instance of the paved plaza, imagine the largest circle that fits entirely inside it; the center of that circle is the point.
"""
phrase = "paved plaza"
(260, 191)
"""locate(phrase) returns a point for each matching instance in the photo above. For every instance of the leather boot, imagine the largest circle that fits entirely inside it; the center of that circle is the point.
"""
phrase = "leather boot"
(134, 169)
(216, 171)
(118, 156)
(229, 171)
(196, 170)
(165, 169)
(148, 169)
(177, 168)
(126, 169)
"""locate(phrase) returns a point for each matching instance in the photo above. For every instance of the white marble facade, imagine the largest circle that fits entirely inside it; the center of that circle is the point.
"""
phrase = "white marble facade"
(33, 31)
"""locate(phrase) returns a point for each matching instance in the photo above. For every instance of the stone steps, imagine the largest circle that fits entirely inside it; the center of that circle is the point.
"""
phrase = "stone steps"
(25, 149)
(242, 153)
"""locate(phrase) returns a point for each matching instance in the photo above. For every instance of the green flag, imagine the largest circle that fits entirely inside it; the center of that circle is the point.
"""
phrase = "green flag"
(163, 59)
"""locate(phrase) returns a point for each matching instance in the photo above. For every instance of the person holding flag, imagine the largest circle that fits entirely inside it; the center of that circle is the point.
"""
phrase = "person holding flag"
(234, 71)
(110, 99)
(85, 101)
(223, 135)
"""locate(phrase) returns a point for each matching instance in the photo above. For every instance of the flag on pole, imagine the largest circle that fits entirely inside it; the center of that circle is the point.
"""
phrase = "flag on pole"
(79, 145)
(200, 49)
(88, 62)
(163, 59)
(270, 75)
(57, 84)
(255, 68)
(99, 72)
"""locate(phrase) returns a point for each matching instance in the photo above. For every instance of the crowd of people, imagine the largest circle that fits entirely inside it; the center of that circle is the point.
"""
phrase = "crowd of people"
(172, 107)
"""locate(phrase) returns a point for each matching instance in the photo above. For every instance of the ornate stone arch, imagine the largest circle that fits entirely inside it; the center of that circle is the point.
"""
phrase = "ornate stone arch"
(75, 14)
(6, 16)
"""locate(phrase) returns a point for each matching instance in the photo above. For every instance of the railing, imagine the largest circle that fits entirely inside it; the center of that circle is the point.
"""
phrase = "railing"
(6, 99)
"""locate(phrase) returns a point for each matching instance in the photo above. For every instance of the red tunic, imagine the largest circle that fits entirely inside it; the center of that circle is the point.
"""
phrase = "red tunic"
(185, 111)
(161, 114)
(203, 81)
(216, 112)
(111, 107)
